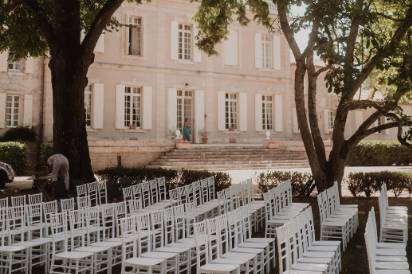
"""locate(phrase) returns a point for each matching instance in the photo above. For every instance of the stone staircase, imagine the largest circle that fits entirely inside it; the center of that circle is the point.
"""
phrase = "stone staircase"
(230, 157)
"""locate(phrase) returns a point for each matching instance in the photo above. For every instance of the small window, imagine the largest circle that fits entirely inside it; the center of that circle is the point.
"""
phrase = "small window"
(331, 120)
(135, 36)
(12, 110)
(185, 42)
(267, 112)
(15, 65)
(231, 111)
(267, 51)
(88, 105)
(133, 107)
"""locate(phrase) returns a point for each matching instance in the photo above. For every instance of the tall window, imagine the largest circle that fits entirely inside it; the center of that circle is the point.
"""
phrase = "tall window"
(88, 105)
(184, 107)
(135, 31)
(331, 119)
(267, 51)
(12, 110)
(185, 42)
(267, 112)
(132, 107)
(15, 65)
(231, 111)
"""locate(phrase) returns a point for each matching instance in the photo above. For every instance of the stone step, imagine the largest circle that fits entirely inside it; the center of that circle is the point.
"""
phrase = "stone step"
(226, 162)
(231, 166)
(231, 158)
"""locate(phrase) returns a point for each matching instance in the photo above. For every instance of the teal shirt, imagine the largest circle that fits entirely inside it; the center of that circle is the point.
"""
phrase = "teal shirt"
(187, 133)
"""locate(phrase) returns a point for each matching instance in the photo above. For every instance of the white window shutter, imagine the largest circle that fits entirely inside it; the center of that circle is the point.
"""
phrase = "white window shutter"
(231, 49)
(276, 52)
(295, 121)
(326, 114)
(28, 110)
(197, 53)
(172, 109)
(258, 50)
(29, 65)
(100, 44)
(3, 61)
(278, 112)
(2, 110)
(98, 105)
(147, 107)
(243, 111)
(221, 110)
(258, 112)
(199, 110)
(174, 32)
(120, 106)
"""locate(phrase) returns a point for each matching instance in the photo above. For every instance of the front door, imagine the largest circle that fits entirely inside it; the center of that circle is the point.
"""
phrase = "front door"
(185, 113)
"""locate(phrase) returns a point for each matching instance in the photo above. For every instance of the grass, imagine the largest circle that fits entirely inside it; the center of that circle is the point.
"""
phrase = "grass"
(354, 260)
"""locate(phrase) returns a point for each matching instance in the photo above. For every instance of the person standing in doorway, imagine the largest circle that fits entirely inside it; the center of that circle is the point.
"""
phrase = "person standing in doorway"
(187, 131)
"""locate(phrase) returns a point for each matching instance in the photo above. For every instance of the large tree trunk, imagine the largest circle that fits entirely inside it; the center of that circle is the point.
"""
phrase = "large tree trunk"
(69, 128)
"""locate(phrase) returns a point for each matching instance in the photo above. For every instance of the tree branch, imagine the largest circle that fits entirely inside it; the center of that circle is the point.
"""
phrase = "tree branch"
(287, 31)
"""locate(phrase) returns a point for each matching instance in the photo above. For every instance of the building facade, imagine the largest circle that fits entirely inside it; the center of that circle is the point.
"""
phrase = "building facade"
(149, 80)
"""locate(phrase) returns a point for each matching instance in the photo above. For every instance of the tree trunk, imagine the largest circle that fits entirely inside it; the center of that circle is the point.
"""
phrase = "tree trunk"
(69, 127)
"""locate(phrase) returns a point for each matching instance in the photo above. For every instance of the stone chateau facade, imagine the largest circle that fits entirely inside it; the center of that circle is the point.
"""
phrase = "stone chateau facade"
(149, 78)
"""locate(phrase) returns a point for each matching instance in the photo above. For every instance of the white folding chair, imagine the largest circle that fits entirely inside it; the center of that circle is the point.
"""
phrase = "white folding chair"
(35, 198)
(83, 202)
(67, 204)
(102, 192)
(18, 200)
(127, 193)
(81, 190)
(93, 193)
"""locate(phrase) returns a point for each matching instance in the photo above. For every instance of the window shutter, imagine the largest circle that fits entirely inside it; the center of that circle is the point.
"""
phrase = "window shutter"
(197, 53)
(2, 110)
(258, 112)
(98, 105)
(3, 61)
(326, 114)
(120, 106)
(28, 110)
(276, 52)
(230, 48)
(295, 121)
(243, 111)
(100, 44)
(172, 109)
(278, 113)
(199, 110)
(258, 50)
(147, 107)
(29, 65)
(221, 110)
(174, 30)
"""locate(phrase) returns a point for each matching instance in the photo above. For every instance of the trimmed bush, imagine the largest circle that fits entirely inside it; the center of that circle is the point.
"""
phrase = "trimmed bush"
(14, 153)
(21, 134)
(268, 180)
(380, 153)
(370, 183)
(119, 177)
(46, 150)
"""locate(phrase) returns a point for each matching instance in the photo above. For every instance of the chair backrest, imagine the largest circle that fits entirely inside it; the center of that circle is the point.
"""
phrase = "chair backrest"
(197, 193)
(161, 185)
(283, 246)
(127, 193)
(93, 193)
(157, 228)
(18, 200)
(137, 191)
(50, 208)
(81, 190)
(4, 235)
(146, 200)
(16, 223)
(93, 226)
(135, 206)
(143, 229)
(174, 194)
(108, 221)
(83, 202)
(154, 193)
(188, 190)
(102, 192)
(4, 203)
(169, 225)
(67, 204)
(202, 243)
(205, 190)
(128, 232)
(212, 190)
(59, 234)
(180, 221)
(35, 198)
(370, 246)
(35, 218)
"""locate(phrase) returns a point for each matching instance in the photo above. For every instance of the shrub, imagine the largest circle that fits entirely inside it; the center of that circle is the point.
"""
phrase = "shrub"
(14, 153)
(119, 177)
(371, 182)
(380, 153)
(271, 179)
(22, 134)
(46, 150)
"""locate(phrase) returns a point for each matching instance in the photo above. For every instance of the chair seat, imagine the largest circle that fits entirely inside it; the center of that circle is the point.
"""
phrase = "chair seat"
(73, 255)
(391, 245)
(161, 255)
(392, 272)
(107, 244)
(327, 243)
(315, 260)
(390, 252)
(323, 248)
(248, 250)
(318, 254)
(310, 267)
(173, 249)
(302, 272)
(94, 249)
(143, 261)
(35, 242)
(218, 267)
(392, 265)
(391, 258)
(12, 248)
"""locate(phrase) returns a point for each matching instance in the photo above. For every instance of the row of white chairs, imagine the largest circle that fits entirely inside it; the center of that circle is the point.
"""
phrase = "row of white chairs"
(300, 253)
(150, 193)
(200, 192)
(337, 221)
(279, 207)
(384, 258)
(21, 200)
(393, 220)
(224, 245)
(96, 191)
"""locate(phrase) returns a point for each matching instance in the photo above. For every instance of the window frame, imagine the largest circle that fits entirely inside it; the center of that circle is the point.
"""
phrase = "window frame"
(12, 122)
(267, 51)
(231, 116)
(267, 112)
(128, 121)
(14, 64)
(183, 48)
(131, 23)
(88, 109)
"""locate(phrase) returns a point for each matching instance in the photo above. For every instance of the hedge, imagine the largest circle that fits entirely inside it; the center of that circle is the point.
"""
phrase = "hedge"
(14, 153)
(46, 150)
(119, 177)
(20, 134)
(270, 179)
(370, 183)
(380, 153)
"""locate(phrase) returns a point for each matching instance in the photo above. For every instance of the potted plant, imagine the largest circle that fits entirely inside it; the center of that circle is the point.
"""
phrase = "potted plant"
(204, 137)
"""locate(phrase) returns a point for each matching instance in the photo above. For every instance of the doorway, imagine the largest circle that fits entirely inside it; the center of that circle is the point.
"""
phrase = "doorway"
(185, 111)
